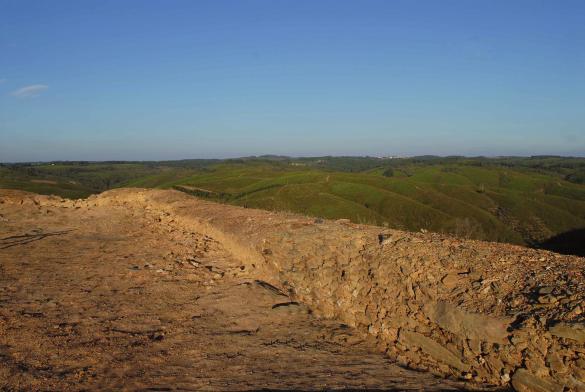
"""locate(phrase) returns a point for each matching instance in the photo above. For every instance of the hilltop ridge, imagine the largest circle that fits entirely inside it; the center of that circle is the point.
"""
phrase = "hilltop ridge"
(537, 201)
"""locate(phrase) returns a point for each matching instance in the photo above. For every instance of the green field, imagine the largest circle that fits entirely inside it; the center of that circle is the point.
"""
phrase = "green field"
(517, 200)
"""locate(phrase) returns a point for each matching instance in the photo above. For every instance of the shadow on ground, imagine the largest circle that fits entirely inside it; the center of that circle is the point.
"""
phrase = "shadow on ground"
(568, 243)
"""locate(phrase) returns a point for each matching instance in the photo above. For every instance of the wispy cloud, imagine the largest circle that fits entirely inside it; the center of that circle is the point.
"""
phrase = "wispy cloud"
(30, 91)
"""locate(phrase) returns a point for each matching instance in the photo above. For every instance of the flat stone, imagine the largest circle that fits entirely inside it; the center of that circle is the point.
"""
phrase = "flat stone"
(471, 325)
(524, 381)
(432, 348)
(574, 332)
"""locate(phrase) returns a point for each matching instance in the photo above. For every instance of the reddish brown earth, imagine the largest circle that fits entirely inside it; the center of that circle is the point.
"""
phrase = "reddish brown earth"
(156, 290)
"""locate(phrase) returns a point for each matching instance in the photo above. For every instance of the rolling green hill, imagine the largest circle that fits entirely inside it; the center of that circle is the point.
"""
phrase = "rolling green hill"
(517, 200)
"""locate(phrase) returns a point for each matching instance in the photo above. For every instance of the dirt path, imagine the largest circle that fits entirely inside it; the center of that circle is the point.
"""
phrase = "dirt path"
(109, 298)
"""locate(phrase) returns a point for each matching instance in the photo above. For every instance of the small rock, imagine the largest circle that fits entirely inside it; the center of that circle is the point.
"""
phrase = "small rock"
(547, 299)
(545, 290)
(577, 310)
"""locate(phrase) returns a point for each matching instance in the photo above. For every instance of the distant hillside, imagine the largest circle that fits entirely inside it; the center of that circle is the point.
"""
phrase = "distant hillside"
(517, 200)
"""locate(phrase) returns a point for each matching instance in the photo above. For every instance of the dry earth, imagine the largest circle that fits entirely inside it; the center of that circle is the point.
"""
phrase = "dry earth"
(156, 290)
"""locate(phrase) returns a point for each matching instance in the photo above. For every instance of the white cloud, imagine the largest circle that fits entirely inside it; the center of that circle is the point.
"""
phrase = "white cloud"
(30, 91)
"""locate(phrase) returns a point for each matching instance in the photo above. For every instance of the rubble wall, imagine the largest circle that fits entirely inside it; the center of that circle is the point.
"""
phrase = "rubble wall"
(480, 311)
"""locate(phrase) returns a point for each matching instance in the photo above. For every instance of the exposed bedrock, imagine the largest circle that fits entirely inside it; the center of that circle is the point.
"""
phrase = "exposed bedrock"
(481, 311)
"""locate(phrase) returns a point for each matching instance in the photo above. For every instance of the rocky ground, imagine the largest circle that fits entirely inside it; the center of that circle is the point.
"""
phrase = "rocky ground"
(140, 290)
(104, 296)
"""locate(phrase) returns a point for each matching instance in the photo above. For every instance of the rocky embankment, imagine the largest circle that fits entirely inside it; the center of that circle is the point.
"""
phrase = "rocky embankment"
(484, 312)
(98, 295)
(480, 311)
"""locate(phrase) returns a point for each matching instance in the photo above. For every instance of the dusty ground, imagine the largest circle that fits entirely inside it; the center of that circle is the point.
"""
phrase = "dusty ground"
(98, 296)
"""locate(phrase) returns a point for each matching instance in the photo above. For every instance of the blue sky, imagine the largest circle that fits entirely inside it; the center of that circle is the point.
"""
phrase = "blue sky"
(150, 79)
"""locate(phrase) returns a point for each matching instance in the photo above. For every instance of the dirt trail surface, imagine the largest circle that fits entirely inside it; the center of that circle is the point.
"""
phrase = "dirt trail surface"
(116, 293)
